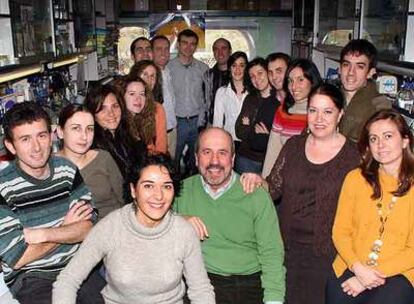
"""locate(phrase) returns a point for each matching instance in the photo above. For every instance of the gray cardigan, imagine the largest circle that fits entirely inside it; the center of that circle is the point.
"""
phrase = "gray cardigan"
(144, 265)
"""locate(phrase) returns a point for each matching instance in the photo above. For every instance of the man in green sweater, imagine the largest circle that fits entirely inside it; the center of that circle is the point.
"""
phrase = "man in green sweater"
(241, 242)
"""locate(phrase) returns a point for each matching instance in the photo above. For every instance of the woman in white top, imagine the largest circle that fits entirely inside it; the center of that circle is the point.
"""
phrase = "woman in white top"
(229, 98)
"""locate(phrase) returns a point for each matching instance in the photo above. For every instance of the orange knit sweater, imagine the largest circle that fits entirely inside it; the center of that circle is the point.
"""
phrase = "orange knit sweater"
(160, 143)
(357, 225)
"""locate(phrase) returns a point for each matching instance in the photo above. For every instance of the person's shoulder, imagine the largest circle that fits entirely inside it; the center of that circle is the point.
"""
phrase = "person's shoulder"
(112, 221)
(60, 161)
(381, 102)
(260, 195)
(103, 154)
(181, 223)
(222, 91)
(296, 141)
(355, 176)
(7, 171)
(159, 108)
(191, 182)
(201, 65)
(172, 63)
(183, 229)
(351, 147)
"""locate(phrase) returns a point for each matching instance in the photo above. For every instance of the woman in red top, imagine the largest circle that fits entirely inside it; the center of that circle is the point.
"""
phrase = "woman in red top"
(290, 119)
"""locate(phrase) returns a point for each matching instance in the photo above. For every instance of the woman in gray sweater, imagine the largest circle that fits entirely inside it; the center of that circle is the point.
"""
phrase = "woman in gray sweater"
(145, 247)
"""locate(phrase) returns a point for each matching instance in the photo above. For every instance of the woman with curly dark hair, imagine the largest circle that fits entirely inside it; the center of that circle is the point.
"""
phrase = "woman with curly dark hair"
(374, 224)
(147, 249)
(142, 84)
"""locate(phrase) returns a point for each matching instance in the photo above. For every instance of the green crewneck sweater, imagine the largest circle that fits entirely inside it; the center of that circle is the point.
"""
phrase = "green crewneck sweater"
(244, 235)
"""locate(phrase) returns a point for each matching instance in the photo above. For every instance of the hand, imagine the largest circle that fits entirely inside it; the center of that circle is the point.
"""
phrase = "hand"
(260, 128)
(80, 211)
(369, 277)
(198, 226)
(251, 181)
(245, 121)
(34, 235)
(352, 287)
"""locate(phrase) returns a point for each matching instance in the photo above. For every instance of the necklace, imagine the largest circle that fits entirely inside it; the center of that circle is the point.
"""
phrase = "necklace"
(376, 247)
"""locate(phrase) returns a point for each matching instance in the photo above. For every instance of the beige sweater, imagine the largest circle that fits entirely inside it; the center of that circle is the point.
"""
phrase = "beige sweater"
(144, 265)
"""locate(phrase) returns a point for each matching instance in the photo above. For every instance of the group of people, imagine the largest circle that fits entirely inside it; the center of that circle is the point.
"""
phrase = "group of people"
(298, 191)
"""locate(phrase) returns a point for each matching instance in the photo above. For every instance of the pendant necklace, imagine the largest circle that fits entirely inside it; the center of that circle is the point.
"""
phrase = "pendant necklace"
(376, 247)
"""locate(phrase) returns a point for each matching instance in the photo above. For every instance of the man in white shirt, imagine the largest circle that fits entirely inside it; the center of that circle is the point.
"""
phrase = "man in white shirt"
(161, 55)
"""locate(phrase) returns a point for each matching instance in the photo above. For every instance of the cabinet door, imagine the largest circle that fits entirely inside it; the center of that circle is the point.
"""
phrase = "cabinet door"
(32, 28)
(384, 23)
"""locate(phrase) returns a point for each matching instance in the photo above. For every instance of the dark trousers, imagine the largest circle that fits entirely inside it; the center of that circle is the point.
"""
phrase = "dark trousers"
(39, 291)
(396, 290)
(240, 289)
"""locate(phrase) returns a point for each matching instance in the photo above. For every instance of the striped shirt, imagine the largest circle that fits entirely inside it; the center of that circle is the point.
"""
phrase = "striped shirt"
(28, 202)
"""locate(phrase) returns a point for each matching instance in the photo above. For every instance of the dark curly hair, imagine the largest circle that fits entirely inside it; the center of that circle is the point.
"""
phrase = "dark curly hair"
(158, 159)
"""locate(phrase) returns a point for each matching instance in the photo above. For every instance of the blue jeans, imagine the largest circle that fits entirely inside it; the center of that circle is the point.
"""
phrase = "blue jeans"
(187, 133)
(244, 164)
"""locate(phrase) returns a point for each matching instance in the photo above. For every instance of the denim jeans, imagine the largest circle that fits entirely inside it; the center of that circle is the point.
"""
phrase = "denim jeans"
(187, 133)
(244, 164)
(240, 289)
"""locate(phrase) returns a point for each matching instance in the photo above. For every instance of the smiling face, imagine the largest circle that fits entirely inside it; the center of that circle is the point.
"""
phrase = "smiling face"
(215, 158)
(259, 79)
(354, 72)
(221, 51)
(149, 75)
(135, 97)
(153, 193)
(77, 133)
(386, 144)
(323, 116)
(31, 144)
(109, 116)
(237, 69)
(277, 70)
(299, 86)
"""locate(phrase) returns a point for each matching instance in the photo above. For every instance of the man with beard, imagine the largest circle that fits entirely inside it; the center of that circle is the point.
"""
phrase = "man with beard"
(241, 242)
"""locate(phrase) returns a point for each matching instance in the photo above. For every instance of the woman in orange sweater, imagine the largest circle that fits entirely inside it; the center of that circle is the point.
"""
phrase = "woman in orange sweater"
(373, 230)
(147, 117)
(151, 74)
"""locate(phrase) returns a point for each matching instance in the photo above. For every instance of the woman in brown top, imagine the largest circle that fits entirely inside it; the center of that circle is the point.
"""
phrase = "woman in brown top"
(307, 176)
(97, 167)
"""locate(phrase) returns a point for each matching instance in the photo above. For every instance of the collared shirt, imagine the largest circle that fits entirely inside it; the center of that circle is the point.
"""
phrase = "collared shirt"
(169, 99)
(216, 79)
(227, 108)
(189, 86)
(216, 194)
